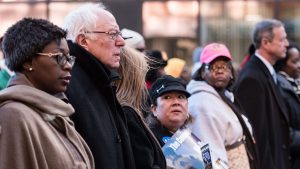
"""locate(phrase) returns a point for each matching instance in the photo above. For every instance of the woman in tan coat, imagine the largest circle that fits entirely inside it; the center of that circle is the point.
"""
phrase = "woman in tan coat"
(35, 129)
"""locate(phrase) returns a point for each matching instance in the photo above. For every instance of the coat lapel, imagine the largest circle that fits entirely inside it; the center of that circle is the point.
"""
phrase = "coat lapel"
(273, 87)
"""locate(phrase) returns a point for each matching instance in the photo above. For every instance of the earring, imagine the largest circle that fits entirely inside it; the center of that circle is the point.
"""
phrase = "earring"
(30, 69)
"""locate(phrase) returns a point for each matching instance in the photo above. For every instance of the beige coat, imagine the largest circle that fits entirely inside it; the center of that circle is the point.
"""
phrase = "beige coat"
(36, 132)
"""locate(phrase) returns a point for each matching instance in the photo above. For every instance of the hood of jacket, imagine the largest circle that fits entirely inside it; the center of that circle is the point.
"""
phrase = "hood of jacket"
(20, 89)
(195, 86)
(284, 83)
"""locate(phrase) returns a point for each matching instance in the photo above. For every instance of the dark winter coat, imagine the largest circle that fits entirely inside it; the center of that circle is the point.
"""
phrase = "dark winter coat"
(98, 115)
(147, 151)
(265, 108)
(293, 105)
(161, 133)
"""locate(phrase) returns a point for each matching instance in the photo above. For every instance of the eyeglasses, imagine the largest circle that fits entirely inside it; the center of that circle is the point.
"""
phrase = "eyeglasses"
(140, 49)
(215, 68)
(61, 58)
(112, 34)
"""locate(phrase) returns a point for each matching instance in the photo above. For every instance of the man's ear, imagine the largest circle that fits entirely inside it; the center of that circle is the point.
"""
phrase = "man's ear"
(82, 41)
(265, 41)
(153, 110)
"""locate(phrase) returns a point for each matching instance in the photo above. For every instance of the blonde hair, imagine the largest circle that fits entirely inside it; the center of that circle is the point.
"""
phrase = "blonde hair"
(131, 89)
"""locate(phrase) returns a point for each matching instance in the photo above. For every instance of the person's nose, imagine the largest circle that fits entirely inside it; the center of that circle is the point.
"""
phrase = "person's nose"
(68, 66)
(120, 41)
(219, 70)
(298, 65)
(176, 101)
(287, 43)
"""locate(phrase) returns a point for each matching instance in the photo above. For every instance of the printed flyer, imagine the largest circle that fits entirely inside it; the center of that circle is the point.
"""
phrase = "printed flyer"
(185, 151)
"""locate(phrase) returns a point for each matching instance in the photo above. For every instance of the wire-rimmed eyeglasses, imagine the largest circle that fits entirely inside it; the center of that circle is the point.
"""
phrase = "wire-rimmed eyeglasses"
(215, 68)
(113, 34)
(61, 58)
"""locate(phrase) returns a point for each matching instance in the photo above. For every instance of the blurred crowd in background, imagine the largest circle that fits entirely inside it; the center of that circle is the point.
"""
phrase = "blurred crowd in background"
(90, 94)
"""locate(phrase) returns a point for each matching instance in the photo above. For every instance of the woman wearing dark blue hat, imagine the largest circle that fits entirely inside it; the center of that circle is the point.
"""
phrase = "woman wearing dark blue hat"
(169, 107)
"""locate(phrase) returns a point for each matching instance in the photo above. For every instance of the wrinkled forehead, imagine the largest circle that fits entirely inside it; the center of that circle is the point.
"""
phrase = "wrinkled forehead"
(107, 21)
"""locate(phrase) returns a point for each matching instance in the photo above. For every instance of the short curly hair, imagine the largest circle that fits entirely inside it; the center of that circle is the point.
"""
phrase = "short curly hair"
(281, 63)
(27, 37)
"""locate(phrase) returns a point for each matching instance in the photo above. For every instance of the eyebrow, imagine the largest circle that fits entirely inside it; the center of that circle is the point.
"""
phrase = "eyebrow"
(64, 51)
(117, 30)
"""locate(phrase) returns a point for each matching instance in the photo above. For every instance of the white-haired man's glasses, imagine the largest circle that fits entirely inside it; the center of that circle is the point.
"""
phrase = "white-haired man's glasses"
(113, 34)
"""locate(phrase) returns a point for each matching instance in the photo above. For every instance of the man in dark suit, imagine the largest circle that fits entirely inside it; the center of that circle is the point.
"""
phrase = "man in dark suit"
(260, 97)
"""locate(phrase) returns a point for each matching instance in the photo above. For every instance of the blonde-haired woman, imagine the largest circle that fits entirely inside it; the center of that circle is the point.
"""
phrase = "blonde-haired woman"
(131, 93)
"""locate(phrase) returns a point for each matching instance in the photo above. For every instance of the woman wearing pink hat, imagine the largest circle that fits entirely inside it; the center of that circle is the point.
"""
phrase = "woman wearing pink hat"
(218, 119)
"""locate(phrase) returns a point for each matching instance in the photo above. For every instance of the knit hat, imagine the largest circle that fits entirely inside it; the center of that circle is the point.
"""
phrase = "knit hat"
(213, 51)
(133, 39)
(174, 67)
(166, 84)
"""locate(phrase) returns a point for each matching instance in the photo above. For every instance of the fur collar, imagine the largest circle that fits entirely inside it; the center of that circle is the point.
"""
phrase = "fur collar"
(21, 90)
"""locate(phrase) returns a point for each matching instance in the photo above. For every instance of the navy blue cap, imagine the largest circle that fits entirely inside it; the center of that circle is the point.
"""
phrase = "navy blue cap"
(166, 84)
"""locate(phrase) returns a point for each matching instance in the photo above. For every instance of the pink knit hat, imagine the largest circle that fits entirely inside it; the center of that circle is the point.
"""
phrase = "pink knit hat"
(213, 51)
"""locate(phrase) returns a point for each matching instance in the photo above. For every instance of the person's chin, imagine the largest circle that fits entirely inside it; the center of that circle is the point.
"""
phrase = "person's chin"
(62, 88)
(178, 119)
(221, 84)
(282, 56)
(115, 66)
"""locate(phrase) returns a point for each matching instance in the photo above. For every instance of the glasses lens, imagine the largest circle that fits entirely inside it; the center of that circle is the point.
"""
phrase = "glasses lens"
(115, 34)
(224, 67)
(118, 33)
(71, 60)
(61, 59)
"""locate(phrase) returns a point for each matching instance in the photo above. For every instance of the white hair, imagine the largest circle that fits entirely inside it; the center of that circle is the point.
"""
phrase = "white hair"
(82, 19)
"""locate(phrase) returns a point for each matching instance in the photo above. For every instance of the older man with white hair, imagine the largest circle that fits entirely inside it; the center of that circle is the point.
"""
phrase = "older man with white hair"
(96, 41)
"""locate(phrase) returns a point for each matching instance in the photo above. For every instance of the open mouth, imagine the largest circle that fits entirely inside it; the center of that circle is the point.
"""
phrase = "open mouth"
(176, 111)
